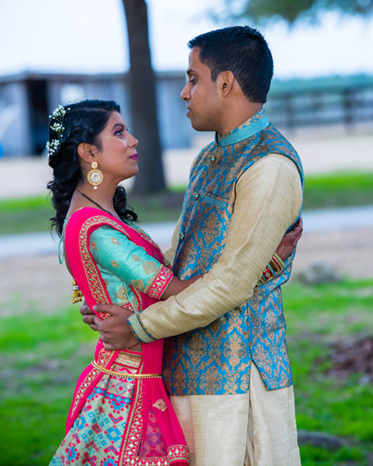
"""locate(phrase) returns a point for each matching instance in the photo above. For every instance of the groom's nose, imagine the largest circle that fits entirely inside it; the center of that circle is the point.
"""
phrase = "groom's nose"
(185, 94)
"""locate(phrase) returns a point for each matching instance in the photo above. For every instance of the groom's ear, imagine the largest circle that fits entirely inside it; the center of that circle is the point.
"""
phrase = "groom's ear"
(225, 82)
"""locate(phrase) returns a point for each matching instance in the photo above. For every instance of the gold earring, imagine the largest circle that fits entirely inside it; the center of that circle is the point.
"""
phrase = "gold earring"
(95, 176)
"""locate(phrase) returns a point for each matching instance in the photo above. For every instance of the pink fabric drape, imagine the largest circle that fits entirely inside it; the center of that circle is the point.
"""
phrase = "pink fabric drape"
(151, 404)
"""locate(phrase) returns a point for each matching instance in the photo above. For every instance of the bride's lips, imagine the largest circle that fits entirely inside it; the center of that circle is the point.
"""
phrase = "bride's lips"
(134, 157)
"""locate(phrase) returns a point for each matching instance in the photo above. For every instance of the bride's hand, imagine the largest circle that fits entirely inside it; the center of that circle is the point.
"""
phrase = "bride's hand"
(290, 240)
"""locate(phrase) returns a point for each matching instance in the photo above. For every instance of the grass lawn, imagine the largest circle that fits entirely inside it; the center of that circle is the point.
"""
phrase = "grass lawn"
(41, 357)
(322, 191)
(338, 190)
(317, 317)
(33, 214)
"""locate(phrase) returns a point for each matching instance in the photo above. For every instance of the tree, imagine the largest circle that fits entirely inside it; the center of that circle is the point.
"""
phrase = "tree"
(292, 10)
(143, 100)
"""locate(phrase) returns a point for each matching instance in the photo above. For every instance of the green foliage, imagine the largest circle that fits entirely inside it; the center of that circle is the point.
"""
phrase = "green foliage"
(159, 207)
(25, 215)
(32, 214)
(30, 427)
(291, 11)
(328, 310)
(17, 335)
(312, 456)
(41, 359)
(317, 317)
(338, 190)
(22, 204)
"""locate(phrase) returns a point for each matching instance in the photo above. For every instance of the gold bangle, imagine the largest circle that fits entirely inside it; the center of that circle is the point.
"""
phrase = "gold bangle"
(125, 376)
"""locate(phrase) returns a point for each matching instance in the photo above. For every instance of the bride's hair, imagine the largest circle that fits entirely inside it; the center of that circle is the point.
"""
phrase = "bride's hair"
(81, 122)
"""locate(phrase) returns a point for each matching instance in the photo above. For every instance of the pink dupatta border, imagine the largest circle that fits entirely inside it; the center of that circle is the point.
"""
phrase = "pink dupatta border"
(148, 392)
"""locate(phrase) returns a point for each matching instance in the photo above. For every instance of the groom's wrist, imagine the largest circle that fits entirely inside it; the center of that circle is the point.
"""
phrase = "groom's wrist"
(138, 329)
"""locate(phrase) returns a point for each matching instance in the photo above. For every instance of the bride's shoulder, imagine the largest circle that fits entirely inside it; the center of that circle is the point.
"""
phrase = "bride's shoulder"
(83, 215)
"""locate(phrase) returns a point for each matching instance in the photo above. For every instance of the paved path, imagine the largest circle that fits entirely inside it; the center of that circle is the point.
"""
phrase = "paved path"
(314, 221)
(34, 244)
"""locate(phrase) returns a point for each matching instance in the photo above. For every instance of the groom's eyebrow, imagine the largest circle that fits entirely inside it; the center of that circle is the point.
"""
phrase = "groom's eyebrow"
(190, 71)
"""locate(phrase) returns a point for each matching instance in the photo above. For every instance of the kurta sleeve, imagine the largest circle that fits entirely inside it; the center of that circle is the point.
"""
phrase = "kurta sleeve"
(268, 201)
(116, 253)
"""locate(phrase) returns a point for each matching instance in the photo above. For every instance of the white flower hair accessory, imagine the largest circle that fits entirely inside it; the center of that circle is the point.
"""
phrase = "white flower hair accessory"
(58, 115)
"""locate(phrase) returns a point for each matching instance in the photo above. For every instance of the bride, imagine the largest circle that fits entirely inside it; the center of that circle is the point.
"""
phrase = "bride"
(120, 412)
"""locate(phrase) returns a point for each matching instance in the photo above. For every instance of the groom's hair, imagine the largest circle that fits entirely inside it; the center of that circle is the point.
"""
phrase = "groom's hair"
(241, 50)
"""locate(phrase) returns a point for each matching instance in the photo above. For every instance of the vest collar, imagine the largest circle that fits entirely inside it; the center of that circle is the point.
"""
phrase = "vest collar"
(253, 125)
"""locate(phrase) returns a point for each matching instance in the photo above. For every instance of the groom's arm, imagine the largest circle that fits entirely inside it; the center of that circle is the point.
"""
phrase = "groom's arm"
(268, 200)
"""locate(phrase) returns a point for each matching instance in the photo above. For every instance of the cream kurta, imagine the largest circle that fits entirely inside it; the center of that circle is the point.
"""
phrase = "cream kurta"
(226, 429)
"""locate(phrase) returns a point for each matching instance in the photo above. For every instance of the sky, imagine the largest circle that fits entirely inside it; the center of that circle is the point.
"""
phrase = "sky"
(89, 36)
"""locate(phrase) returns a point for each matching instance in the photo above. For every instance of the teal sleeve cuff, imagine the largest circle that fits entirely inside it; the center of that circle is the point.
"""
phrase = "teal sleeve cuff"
(138, 329)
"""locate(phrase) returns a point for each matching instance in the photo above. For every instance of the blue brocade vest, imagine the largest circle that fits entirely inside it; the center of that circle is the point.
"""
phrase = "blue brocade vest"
(216, 360)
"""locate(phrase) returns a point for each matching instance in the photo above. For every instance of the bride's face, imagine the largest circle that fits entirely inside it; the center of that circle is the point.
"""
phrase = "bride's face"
(118, 157)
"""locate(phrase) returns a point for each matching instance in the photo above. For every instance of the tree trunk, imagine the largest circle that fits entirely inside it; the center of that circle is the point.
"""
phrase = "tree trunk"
(145, 127)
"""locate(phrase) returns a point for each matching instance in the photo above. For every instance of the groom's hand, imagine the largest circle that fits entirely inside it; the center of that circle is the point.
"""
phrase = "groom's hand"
(115, 332)
(88, 315)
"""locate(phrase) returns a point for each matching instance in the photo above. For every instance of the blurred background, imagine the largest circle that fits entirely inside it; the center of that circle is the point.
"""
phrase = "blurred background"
(135, 52)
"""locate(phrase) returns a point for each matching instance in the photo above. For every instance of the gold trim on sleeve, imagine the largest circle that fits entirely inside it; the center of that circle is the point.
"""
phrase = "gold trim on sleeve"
(138, 330)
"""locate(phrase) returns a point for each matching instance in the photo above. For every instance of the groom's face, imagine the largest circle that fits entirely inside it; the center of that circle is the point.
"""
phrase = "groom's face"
(201, 95)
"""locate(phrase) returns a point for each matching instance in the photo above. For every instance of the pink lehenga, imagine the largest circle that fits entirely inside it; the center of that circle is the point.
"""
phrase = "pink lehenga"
(120, 413)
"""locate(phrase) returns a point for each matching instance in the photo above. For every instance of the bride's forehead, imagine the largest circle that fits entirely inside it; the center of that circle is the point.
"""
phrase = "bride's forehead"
(114, 119)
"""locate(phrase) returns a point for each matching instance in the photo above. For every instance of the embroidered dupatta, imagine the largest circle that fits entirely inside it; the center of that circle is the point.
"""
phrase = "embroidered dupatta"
(150, 395)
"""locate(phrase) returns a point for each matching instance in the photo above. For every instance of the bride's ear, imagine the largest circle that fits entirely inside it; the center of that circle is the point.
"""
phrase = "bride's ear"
(85, 152)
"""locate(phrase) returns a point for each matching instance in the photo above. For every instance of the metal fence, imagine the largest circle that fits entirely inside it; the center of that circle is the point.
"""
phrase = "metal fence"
(343, 103)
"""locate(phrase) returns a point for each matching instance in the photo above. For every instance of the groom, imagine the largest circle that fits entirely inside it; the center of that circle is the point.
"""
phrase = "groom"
(226, 362)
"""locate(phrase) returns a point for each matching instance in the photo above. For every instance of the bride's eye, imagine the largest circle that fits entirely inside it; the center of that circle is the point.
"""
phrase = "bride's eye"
(119, 131)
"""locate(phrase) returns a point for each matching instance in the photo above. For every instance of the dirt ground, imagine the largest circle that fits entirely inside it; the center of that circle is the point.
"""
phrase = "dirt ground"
(30, 284)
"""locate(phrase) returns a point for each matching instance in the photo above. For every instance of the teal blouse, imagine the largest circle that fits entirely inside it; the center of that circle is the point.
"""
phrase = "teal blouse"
(125, 266)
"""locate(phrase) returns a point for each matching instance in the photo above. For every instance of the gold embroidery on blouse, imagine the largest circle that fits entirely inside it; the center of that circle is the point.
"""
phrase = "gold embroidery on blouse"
(149, 267)
(122, 294)
(139, 284)
(136, 258)
(115, 241)
(93, 245)
(114, 264)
